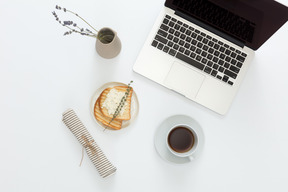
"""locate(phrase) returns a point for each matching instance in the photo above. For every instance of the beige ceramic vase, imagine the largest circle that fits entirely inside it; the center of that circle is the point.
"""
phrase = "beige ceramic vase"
(108, 44)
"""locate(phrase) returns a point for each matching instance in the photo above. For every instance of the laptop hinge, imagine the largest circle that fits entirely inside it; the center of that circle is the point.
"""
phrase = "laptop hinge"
(209, 28)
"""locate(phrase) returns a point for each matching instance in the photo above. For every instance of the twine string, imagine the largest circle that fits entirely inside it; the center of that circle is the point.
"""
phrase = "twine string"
(88, 144)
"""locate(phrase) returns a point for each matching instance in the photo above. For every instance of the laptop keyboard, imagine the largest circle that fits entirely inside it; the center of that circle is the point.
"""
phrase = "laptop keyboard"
(199, 50)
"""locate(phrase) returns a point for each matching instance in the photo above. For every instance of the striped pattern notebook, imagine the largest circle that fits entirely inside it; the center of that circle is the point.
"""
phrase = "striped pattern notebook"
(102, 164)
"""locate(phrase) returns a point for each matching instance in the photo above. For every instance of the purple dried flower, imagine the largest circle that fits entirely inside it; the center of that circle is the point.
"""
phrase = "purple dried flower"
(70, 24)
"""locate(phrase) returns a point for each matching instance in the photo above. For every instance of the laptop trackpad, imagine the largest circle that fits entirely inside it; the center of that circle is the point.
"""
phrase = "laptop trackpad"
(184, 80)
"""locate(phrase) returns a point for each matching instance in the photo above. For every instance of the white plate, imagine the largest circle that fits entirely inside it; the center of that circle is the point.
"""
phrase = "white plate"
(134, 104)
(162, 131)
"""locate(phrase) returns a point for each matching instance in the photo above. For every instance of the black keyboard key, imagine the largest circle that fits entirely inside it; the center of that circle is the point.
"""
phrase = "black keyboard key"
(181, 49)
(239, 64)
(187, 45)
(164, 27)
(222, 49)
(166, 49)
(220, 62)
(188, 39)
(215, 66)
(204, 61)
(228, 59)
(194, 42)
(171, 31)
(211, 50)
(175, 46)
(172, 52)
(192, 48)
(171, 24)
(226, 65)
(154, 43)
(182, 29)
(214, 73)
(199, 38)
(188, 32)
(162, 33)
(207, 70)
(227, 52)
(215, 59)
(244, 54)
(225, 78)
(199, 45)
(194, 35)
(205, 47)
(190, 61)
(210, 63)
(160, 46)
(165, 21)
(182, 36)
(193, 55)
(209, 56)
(230, 74)
(210, 43)
(234, 69)
(170, 44)
(187, 52)
(222, 56)
(198, 51)
(240, 58)
(177, 33)
(176, 26)
(204, 54)
(221, 69)
(230, 82)
(198, 58)
(176, 39)
(161, 39)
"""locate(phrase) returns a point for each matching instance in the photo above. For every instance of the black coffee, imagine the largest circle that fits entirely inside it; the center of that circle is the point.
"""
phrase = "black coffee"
(181, 139)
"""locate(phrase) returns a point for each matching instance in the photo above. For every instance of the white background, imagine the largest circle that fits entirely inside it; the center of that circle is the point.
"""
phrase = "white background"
(42, 73)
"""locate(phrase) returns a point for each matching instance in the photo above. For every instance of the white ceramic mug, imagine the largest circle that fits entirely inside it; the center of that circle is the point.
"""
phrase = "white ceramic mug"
(184, 136)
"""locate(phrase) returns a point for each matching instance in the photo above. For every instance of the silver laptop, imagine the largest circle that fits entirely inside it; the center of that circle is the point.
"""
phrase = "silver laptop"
(202, 49)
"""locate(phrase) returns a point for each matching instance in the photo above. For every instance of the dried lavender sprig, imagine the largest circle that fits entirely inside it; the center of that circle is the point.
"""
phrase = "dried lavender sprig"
(70, 23)
(66, 10)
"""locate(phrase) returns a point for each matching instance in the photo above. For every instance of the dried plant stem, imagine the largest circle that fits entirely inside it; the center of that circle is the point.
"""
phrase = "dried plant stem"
(82, 19)
(121, 104)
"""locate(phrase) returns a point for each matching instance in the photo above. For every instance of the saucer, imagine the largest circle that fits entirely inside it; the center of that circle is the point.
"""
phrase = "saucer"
(134, 104)
(162, 131)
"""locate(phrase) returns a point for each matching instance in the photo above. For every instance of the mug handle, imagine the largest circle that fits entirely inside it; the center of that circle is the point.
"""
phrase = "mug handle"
(191, 157)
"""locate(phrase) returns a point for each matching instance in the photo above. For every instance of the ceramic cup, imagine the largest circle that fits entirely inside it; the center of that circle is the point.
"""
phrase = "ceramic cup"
(108, 44)
(182, 141)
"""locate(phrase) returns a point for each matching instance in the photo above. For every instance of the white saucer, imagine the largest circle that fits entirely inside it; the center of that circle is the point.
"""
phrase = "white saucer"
(162, 131)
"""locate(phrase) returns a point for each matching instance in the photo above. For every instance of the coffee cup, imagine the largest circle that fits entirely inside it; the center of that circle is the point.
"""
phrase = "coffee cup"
(182, 141)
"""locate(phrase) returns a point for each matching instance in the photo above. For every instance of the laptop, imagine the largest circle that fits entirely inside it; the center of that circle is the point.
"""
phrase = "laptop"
(202, 49)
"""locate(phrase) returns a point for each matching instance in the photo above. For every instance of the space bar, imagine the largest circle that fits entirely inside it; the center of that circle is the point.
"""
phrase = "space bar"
(190, 61)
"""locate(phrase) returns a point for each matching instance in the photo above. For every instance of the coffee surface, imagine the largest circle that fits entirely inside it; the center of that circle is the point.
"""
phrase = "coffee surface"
(181, 139)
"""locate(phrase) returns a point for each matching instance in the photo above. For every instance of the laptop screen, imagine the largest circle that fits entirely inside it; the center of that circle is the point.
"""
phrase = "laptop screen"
(250, 21)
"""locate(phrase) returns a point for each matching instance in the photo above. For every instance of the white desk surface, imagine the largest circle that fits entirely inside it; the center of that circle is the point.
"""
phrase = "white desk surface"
(42, 73)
